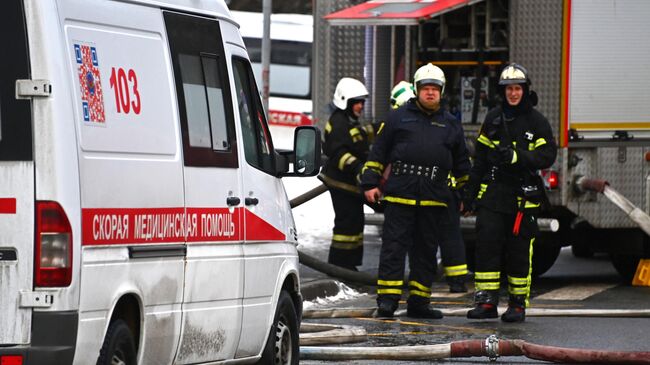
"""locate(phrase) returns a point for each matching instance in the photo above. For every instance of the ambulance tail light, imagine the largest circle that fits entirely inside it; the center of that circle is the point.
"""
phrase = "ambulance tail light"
(11, 359)
(551, 179)
(52, 246)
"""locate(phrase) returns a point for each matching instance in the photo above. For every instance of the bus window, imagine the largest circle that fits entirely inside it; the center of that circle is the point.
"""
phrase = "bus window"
(290, 67)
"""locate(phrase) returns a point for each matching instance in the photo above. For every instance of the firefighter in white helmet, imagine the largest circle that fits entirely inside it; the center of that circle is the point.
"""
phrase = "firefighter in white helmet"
(514, 142)
(453, 250)
(423, 143)
(401, 93)
(346, 146)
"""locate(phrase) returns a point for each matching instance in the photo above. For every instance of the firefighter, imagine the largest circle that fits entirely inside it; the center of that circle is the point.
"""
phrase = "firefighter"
(514, 142)
(346, 146)
(453, 250)
(423, 144)
(401, 93)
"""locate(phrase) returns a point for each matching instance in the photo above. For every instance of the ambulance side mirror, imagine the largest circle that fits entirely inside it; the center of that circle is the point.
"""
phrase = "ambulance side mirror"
(305, 157)
(306, 145)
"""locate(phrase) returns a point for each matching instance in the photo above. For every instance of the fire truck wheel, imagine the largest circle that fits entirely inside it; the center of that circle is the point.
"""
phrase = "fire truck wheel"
(546, 249)
(625, 265)
(282, 346)
(118, 347)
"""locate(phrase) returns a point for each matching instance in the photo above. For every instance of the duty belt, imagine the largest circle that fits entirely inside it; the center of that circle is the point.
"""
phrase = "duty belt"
(497, 175)
(434, 173)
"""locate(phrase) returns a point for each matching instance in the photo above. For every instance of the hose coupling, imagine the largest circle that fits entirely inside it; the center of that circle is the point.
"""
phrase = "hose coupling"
(492, 347)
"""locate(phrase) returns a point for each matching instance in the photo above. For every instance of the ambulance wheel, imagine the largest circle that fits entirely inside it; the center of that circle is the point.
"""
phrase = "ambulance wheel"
(282, 346)
(118, 347)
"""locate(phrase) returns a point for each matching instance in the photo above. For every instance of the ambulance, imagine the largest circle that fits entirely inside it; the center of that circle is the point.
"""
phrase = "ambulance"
(142, 215)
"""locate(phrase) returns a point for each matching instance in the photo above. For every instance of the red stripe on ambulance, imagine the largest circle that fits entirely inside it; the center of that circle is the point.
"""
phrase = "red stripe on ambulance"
(7, 205)
(106, 226)
(258, 229)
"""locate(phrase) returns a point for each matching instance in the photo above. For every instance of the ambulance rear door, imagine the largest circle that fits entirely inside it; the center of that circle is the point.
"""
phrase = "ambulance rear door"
(267, 214)
(16, 180)
(212, 300)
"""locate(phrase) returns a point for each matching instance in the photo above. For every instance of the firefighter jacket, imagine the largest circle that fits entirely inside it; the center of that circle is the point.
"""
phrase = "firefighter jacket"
(507, 186)
(346, 145)
(422, 149)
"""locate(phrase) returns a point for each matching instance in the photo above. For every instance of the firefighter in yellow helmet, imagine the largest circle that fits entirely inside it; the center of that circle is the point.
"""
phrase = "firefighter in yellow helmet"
(346, 146)
(423, 144)
(514, 142)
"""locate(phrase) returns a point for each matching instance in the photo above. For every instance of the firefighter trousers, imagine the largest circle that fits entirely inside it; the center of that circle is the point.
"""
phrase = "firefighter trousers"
(415, 230)
(497, 247)
(452, 250)
(346, 248)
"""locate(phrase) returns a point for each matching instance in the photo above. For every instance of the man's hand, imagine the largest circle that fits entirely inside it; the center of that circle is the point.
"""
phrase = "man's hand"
(372, 195)
(467, 208)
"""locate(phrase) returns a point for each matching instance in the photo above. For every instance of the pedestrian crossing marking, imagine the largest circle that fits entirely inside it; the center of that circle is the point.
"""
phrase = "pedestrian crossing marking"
(448, 295)
(575, 292)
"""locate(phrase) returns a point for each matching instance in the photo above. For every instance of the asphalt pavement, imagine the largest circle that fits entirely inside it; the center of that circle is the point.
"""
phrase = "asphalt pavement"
(572, 283)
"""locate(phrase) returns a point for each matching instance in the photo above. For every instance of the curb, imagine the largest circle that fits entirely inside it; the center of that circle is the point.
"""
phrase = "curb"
(319, 289)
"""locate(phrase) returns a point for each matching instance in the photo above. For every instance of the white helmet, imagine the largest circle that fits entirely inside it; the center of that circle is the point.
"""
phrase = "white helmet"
(348, 88)
(401, 93)
(430, 74)
(514, 74)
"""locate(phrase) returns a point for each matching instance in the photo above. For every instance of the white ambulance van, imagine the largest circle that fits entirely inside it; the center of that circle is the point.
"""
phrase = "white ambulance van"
(142, 216)
(290, 103)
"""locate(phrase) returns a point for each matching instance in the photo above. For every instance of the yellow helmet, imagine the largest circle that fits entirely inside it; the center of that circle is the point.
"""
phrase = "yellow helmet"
(401, 93)
(430, 74)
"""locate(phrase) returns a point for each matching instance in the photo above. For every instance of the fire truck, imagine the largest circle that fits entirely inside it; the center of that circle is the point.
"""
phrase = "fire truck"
(588, 63)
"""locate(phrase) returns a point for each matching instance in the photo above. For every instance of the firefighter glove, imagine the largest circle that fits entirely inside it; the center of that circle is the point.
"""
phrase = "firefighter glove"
(508, 155)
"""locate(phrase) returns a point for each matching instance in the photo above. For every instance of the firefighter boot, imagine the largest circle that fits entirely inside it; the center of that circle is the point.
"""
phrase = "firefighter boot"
(516, 309)
(457, 284)
(486, 305)
(386, 305)
(419, 307)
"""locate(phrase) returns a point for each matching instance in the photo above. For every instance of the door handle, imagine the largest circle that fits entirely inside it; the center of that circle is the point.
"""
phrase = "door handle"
(251, 201)
(232, 201)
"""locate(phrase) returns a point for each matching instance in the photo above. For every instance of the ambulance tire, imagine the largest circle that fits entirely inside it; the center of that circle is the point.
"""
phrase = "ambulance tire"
(283, 346)
(118, 347)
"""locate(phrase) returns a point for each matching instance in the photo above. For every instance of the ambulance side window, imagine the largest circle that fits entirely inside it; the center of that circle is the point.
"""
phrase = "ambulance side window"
(15, 115)
(258, 146)
(207, 122)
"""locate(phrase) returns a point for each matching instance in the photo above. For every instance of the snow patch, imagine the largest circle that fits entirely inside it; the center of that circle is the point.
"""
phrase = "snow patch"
(345, 293)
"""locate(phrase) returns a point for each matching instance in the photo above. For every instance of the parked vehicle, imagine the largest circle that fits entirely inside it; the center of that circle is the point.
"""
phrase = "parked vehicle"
(587, 62)
(142, 215)
(291, 35)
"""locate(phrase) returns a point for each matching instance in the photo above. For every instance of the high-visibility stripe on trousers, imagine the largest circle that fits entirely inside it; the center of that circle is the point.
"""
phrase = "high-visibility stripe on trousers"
(346, 249)
(494, 241)
(412, 230)
(452, 249)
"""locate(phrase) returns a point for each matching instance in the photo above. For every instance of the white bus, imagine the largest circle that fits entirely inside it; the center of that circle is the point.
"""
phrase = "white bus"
(290, 103)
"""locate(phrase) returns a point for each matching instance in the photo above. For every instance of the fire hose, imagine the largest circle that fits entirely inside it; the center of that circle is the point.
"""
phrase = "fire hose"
(583, 184)
(324, 267)
(367, 312)
(491, 347)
